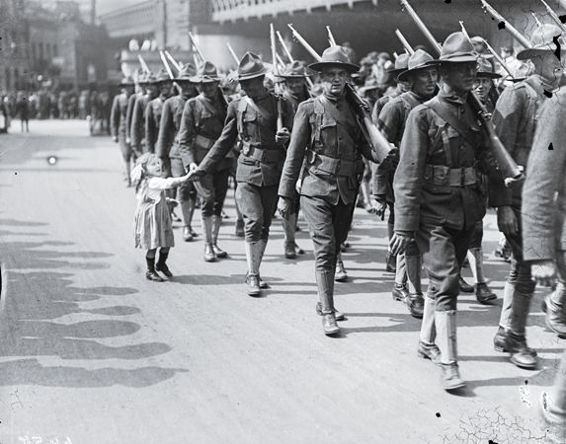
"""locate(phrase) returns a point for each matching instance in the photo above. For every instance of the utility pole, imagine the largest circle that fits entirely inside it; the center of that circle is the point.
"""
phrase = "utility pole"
(93, 12)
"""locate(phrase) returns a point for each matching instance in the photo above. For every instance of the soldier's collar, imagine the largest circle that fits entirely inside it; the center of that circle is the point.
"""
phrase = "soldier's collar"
(451, 97)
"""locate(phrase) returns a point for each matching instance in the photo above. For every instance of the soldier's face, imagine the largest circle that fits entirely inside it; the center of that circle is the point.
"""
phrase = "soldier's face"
(295, 86)
(165, 89)
(151, 89)
(549, 68)
(253, 87)
(461, 76)
(334, 80)
(424, 82)
(209, 89)
(482, 87)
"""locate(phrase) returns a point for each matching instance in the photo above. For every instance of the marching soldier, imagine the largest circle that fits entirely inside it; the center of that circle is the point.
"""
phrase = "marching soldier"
(400, 65)
(202, 122)
(420, 77)
(140, 91)
(334, 143)
(137, 126)
(118, 125)
(168, 145)
(295, 93)
(439, 196)
(154, 108)
(253, 119)
(515, 119)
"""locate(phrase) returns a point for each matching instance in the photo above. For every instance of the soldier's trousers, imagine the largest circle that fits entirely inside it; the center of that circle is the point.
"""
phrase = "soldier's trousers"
(187, 189)
(257, 205)
(443, 250)
(125, 148)
(212, 189)
(328, 226)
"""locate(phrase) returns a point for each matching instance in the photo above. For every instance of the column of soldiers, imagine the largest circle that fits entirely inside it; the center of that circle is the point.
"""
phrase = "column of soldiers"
(305, 149)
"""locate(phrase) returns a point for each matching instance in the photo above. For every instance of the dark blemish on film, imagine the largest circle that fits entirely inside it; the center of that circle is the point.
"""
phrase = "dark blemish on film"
(562, 18)
(438, 414)
(547, 93)
(501, 25)
(550, 147)
(557, 43)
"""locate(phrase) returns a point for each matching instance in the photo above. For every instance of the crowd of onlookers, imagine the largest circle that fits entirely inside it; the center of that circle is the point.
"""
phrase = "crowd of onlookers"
(45, 104)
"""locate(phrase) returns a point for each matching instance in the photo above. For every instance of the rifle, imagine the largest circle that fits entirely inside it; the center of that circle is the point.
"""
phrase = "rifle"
(404, 42)
(331, 38)
(508, 26)
(509, 169)
(234, 56)
(554, 16)
(489, 48)
(290, 57)
(276, 72)
(172, 60)
(196, 48)
(143, 64)
(537, 20)
(169, 71)
(373, 136)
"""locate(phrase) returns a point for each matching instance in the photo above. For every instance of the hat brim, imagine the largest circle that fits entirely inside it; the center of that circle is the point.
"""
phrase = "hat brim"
(403, 75)
(529, 53)
(460, 59)
(252, 75)
(319, 66)
(488, 75)
(188, 80)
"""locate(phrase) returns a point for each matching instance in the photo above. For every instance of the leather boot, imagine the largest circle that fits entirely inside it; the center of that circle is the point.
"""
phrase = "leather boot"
(150, 274)
(262, 246)
(219, 252)
(516, 343)
(338, 315)
(445, 322)
(161, 264)
(500, 342)
(289, 225)
(464, 286)
(341, 274)
(427, 348)
(400, 292)
(415, 304)
(325, 284)
(209, 255)
(555, 312)
(253, 258)
(484, 295)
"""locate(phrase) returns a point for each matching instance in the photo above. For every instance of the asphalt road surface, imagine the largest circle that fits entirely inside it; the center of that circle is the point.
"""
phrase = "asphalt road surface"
(92, 352)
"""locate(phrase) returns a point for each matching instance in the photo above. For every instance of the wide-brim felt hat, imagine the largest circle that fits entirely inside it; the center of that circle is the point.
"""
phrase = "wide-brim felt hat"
(400, 65)
(162, 77)
(207, 73)
(295, 70)
(187, 74)
(147, 78)
(250, 67)
(543, 41)
(485, 70)
(457, 49)
(127, 81)
(417, 62)
(335, 56)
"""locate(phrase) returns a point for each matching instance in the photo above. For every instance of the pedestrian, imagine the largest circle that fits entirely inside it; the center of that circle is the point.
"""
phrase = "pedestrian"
(328, 141)
(544, 232)
(515, 119)
(439, 196)
(152, 219)
(253, 119)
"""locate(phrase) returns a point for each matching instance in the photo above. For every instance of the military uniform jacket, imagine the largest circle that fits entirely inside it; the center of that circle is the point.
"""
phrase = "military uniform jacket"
(544, 192)
(334, 146)
(137, 127)
(118, 115)
(202, 123)
(381, 102)
(515, 120)
(391, 123)
(167, 140)
(152, 120)
(254, 123)
(439, 179)
(130, 113)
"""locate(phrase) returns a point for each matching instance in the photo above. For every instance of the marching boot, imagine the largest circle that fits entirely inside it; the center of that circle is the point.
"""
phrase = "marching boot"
(325, 284)
(150, 274)
(219, 252)
(516, 344)
(445, 322)
(341, 274)
(262, 246)
(187, 236)
(253, 259)
(555, 312)
(162, 266)
(209, 255)
(464, 286)
(289, 225)
(415, 301)
(483, 293)
(427, 348)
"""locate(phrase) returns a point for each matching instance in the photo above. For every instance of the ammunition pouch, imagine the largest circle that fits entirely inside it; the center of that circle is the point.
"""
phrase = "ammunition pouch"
(319, 163)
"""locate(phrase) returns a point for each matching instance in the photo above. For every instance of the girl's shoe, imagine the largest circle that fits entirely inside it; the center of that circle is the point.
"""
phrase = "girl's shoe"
(153, 276)
(164, 269)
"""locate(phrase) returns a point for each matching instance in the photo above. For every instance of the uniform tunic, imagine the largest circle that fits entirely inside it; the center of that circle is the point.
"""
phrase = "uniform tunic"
(118, 123)
(137, 126)
(152, 120)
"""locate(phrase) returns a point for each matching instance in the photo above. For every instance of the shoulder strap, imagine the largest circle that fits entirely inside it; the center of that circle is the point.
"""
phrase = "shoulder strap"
(441, 109)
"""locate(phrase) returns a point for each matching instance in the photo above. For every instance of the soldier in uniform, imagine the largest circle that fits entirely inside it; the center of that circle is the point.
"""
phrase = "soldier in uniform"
(154, 108)
(168, 146)
(515, 119)
(399, 66)
(439, 196)
(118, 125)
(137, 126)
(295, 92)
(140, 91)
(334, 143)
(202, 122)
(420, 77)
(253, 119)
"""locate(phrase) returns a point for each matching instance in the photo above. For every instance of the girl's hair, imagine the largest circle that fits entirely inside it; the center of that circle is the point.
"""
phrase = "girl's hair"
(140, 170)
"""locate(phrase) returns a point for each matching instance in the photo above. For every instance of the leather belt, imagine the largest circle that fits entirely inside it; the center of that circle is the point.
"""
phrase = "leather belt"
(453, 177)
(331, 165)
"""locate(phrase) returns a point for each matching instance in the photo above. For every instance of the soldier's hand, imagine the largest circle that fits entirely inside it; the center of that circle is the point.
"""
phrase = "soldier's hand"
(507, 220)
(283, 136)
(193, 167)
(381, 207)
(285, 207)
(398, 243)
(544, 272)
(196, 174)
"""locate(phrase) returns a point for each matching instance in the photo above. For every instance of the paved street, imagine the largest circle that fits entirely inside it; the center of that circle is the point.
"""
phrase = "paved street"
(92, 352)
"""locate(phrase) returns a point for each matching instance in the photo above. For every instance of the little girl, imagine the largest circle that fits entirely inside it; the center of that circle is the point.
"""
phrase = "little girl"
(152, 220)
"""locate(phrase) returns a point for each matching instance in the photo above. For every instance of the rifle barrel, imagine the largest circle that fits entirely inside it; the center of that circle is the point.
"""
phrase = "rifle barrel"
(305, 44)
(331, 38)
(554, 16)
(234, 56)
(195, 46)
(421, 25)
(508, 26)
(404, 42)
(173, 61)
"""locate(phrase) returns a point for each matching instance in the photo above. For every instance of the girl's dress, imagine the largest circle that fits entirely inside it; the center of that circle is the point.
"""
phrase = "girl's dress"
(152, 220)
